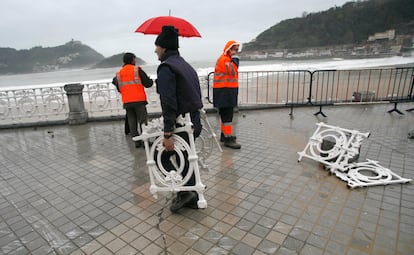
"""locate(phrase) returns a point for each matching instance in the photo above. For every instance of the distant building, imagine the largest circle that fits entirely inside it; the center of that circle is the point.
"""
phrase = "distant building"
(395, 49)
(383, 44)
(278, 54)
(257, 55)
(389, 34)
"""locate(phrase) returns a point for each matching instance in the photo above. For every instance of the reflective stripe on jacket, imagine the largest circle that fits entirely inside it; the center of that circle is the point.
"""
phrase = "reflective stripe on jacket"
(225, 73)
(130, 85)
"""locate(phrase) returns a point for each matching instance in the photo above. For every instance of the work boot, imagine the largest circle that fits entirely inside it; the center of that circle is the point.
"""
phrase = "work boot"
(193, 203)
(231, 142)
(181, 199)
(139, 144)
(222, 137)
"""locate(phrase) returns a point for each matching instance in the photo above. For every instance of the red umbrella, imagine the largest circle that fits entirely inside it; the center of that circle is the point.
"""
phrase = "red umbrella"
(154, 26)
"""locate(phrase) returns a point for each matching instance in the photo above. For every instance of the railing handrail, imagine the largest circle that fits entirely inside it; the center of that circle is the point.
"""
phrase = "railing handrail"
(288, 88)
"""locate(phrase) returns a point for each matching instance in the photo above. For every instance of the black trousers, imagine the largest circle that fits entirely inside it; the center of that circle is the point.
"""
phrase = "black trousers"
(166, 155)
(137, 115)
(168, 165)
(226, 114)
(126, 125)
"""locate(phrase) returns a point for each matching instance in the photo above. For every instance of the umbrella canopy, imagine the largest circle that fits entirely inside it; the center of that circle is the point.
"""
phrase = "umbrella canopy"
(154, 26)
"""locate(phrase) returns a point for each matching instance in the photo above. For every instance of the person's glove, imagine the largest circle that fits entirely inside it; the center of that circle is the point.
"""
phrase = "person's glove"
(235, 59)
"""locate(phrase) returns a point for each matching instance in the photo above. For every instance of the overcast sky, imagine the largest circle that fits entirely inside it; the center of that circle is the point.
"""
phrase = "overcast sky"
(108, 25)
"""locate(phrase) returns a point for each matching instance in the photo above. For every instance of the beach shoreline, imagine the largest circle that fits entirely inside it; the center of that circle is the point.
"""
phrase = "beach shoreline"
(203, 68)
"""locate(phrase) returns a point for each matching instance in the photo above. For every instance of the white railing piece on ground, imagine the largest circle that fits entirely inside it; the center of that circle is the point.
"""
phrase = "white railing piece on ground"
(338, 159)
(172, 180)
(346, 145)
(369, 173)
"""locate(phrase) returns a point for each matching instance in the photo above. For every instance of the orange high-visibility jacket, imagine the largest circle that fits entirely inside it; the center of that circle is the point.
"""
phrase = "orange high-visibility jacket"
(130, 85)
(226, 73)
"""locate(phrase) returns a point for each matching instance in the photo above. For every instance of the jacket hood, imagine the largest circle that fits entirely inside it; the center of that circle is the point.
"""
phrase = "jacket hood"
(228, 45)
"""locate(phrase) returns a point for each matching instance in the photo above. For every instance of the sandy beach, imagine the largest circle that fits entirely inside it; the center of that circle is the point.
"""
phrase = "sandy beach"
(326, 86)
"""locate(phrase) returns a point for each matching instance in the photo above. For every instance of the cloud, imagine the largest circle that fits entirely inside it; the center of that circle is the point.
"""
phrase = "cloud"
(108, 26)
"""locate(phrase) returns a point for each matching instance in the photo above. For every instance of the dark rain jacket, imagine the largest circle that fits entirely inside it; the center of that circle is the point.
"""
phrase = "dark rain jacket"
(179, 89)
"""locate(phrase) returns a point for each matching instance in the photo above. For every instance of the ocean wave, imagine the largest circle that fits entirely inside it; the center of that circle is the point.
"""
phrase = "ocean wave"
(60, 78)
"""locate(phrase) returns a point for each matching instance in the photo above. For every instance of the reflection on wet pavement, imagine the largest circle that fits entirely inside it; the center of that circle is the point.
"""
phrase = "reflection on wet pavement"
(85, 190)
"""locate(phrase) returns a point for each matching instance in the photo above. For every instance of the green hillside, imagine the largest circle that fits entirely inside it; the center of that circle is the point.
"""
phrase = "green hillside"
(350, 24)
(73, 54)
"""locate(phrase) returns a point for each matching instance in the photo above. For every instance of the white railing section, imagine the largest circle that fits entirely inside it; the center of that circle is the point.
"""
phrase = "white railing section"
(172, 177)
(338, 148)
(288, 88)
(33, 105)
(102, 99)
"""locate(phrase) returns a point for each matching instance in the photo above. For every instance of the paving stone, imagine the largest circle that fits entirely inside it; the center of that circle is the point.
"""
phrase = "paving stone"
(87, 191)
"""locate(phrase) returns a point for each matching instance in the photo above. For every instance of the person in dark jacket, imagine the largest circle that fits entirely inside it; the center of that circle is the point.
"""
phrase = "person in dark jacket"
(131, 81)
(179, 89)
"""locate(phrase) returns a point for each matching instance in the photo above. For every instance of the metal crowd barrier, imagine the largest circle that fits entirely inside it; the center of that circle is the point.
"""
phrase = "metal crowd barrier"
(291, 88)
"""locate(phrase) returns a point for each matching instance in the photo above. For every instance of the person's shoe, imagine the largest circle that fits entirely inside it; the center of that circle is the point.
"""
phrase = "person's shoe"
(181, 200)
(139, 144)
(193, 203)
(222, 137)
(231, 142)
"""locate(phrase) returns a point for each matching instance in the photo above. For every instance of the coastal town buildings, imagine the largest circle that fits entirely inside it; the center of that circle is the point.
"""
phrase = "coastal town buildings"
(381, 44)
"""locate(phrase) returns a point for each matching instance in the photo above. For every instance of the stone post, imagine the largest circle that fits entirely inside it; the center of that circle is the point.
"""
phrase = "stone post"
(77, 112)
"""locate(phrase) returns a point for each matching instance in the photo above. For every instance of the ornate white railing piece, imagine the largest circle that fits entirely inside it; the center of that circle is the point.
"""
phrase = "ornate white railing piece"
(369, 173)
(337, 159)
(346, 144)
(33, 105)
(205, 142)
(172, 180)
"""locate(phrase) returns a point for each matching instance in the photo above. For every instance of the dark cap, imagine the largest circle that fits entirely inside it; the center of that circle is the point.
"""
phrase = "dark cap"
(168, 38)
(128, 58)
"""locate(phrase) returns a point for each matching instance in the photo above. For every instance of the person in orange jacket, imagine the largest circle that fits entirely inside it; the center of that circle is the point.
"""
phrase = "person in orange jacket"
(131, 81)
(226, 90)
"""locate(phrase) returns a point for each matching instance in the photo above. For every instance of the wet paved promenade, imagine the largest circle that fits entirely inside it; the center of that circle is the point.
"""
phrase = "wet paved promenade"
(85, 190)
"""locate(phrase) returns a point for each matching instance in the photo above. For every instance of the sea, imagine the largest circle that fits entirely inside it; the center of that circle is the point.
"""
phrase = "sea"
(203, 68)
